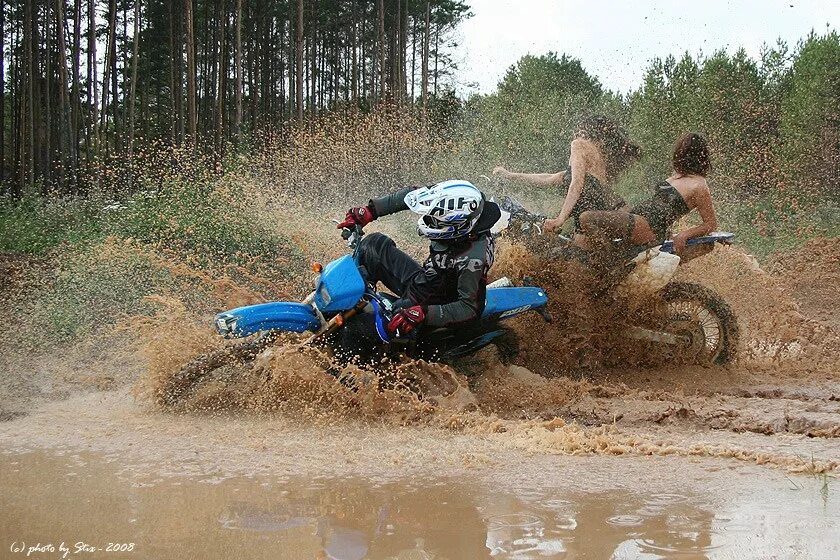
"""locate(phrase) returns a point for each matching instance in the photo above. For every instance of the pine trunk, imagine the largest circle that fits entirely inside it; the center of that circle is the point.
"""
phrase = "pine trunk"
(47, 163)
(135, 59)
(2, 91)
(222, 86)
(191, 92)
(75, 93)
(313, 76)
(106, 82)
(174, 75)
(65, 146)
(413, 56)
(424, 71)
(237, 123)
(380, 45)
(28, 129)
(92, 86)
(354, 70)
(437, 57)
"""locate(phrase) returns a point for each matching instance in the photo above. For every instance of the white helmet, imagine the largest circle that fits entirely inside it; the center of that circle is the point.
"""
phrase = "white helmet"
(448, 210)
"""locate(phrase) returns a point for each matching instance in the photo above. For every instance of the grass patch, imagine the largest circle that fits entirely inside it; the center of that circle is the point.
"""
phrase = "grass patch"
(35, 225)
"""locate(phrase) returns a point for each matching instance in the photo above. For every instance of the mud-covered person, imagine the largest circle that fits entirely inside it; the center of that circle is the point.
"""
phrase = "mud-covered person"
(650, 221)
(600, 152)
(449, 288)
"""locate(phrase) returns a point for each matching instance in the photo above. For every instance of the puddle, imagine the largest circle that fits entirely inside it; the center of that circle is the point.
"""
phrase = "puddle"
(85, 498)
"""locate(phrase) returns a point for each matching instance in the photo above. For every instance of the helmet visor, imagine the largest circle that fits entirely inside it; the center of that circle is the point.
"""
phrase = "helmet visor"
(438, 223)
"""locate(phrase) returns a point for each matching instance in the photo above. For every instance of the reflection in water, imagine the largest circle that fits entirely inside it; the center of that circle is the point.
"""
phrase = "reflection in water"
(82, 498)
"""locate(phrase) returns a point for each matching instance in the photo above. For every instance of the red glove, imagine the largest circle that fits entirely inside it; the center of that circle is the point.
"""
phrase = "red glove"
(406, 320)
(358, 216)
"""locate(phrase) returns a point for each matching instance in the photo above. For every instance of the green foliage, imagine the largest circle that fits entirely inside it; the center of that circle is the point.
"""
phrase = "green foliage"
(810, 117)
(94, 287)
(528, 123)
(773, 126)
(721, 97)
(534, 77)
(34, 225)
(207, 223)
(109, 257)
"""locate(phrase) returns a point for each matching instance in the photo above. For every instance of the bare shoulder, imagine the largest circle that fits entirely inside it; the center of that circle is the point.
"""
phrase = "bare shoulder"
(582, 145)
(690, 185)
(701, 186)
(586, 152)
(698, 191)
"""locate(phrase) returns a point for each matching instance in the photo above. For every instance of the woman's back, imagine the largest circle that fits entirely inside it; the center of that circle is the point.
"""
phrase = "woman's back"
(593, 158)
(595, 193)
(689, 186)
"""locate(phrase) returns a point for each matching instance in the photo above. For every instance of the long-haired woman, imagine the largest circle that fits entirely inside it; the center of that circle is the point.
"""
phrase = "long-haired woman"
(600, 152)
(650, 221)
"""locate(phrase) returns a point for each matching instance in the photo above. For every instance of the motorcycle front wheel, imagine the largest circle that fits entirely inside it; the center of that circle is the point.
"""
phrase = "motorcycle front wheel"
(180, 385)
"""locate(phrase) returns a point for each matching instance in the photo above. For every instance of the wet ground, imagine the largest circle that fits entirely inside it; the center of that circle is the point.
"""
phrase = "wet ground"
(100, 469)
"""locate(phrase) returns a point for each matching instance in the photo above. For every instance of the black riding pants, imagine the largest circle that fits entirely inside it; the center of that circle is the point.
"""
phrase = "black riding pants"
(383, 262)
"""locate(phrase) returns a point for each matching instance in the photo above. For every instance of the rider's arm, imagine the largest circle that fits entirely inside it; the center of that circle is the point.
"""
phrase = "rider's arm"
(472, 280)
(537, 179)
(391, 203)
(701, 199)
(577, 163)
(469, 304)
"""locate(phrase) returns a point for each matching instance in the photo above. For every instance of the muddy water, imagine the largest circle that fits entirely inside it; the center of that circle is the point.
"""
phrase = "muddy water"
(86, 500)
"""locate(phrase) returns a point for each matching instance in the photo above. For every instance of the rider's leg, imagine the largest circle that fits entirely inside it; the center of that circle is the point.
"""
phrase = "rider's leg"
(385, 263)
(600, 226)
(642, 233)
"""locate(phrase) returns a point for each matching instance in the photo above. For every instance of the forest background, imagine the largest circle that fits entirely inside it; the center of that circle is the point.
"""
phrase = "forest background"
(197, 129)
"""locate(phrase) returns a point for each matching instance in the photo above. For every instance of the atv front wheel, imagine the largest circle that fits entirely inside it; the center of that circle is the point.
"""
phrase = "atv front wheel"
(704, 319)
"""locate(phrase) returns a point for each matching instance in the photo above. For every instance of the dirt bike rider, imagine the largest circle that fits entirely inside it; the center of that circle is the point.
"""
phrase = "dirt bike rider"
(449, 288)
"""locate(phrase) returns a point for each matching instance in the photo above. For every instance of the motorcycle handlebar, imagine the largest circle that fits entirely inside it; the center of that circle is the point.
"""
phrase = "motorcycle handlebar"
(352, 235)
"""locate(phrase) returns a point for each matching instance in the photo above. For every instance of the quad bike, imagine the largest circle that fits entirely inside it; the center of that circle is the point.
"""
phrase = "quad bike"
(679, 320)
(347, 314)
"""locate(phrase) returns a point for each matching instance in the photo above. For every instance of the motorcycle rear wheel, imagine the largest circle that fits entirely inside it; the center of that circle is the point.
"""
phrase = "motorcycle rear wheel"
(698, 313)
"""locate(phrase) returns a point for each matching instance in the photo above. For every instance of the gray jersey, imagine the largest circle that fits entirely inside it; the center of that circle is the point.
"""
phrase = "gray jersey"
(452, 284)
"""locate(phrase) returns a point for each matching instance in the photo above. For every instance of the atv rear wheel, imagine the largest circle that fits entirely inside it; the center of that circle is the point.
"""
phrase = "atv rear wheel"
(703, 318)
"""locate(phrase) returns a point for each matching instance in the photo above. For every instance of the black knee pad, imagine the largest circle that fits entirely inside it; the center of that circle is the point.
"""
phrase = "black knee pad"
(374, 242)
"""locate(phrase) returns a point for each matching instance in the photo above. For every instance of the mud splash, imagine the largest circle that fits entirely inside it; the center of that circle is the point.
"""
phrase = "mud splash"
(779, 335)
(289, 376)
(582, 402)
(593, 395)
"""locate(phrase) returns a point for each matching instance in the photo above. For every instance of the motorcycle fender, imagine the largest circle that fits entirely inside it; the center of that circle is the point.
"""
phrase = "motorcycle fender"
(653, 270)
(506, 302)
(282, 316)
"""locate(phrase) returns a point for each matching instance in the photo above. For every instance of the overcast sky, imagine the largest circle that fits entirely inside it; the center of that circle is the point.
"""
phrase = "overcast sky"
(616, 39)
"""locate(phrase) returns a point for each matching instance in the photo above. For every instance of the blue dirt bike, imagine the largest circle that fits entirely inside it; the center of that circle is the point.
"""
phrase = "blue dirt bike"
(348, 315)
